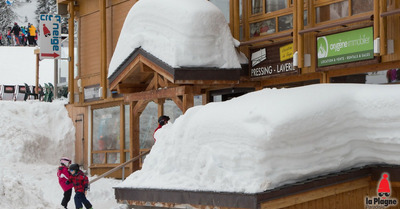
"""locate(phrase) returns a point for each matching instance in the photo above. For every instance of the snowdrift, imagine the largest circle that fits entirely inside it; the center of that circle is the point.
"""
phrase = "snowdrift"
(35, 131)
(274, 137)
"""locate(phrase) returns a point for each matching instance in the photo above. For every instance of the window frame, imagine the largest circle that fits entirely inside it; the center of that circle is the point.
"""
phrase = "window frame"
(121, 150)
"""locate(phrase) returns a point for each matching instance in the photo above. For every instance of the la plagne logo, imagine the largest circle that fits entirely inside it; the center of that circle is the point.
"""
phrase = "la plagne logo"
(382, 200)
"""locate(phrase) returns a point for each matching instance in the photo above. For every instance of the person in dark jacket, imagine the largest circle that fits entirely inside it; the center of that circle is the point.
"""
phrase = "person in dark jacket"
(16, 29)
(162, 120)
(81, 184)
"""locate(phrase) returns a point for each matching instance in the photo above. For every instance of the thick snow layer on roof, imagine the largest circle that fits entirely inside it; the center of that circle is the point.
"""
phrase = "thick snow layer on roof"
(273, 137)
(182, 33)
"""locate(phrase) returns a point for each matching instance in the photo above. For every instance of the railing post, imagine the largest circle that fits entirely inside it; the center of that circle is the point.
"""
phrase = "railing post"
(123, 173)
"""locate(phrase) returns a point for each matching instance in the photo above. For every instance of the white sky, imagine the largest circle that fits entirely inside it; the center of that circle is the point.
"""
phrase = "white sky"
(18, 66)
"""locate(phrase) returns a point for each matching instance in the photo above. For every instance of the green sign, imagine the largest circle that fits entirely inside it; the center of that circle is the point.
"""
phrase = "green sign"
(345, 47)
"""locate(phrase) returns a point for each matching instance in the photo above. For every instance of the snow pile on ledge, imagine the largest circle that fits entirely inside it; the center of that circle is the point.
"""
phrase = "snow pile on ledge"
(273, 137)
(182, 33)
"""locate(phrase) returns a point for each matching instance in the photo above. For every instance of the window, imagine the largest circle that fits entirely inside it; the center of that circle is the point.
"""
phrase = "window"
(332, 11)
(361, 6)
(285, 22)
(263, 27)
(106, 135)
(256, 6)
(275, 5)
(127, 131)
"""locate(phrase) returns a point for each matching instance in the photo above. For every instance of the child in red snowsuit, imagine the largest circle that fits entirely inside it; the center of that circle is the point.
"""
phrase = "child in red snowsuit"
(81, 184)
(63, 177)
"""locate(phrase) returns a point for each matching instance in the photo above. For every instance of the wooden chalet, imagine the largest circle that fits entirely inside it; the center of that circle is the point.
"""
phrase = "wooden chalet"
(286, 43)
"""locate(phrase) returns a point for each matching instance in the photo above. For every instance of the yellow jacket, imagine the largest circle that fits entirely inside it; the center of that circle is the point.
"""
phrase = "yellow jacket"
(32, 30)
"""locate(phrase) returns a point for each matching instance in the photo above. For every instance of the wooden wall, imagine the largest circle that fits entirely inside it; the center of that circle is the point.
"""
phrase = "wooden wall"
(342, 196)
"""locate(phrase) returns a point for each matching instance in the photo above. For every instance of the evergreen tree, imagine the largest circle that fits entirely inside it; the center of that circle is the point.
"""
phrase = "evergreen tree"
(7, 16)
(46, 7)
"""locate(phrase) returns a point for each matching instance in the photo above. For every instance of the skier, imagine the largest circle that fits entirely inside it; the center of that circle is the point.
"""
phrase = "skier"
(63, 177)
(81, 184)
(16, 29)
(162, 120)
(31, 34)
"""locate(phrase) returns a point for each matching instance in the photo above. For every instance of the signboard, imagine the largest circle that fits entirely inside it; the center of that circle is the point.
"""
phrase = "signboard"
(345, 47)
(50, 36)
(91, 93)
(272, 60)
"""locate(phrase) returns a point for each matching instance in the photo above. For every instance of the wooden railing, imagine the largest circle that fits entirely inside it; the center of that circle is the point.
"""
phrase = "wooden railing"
(119, 167)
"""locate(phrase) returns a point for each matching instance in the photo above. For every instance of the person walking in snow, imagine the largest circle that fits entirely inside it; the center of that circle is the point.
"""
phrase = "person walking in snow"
(162, 120)
(63, 177)
(16, 29)
(81, 185)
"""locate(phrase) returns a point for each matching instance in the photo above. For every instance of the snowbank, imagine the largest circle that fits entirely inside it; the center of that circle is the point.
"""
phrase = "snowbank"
(35, 131)
(33, 137)
(182, 33)
(273, 137)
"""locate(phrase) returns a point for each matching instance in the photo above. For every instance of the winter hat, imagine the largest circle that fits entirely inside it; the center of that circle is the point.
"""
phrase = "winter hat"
(65, 161)
(74, 167)
(163, 119)
(384, 186)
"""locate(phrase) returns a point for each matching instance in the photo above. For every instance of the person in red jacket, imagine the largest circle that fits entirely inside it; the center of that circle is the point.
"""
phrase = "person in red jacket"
(81, 184)
(162, 120)
(63, 177)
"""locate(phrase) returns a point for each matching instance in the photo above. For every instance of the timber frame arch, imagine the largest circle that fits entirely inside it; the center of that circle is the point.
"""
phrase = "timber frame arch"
(143, 78)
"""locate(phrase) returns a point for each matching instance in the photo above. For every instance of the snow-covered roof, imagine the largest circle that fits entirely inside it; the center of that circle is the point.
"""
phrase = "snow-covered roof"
(181, 33)
(273, 137)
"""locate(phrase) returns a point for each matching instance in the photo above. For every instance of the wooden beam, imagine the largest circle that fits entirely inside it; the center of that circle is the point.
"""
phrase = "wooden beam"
(158, 94)
(316, 194)
(103, 48)
(178, 102)
(126, 88)
(157, 68)
(206, 82)
(383, 28)
(140, 106)
(188, 101)
(125, 73)
(71, 53)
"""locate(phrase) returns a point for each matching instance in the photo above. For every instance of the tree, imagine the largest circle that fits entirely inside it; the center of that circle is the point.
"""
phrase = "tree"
(7, 15)
(46, 7)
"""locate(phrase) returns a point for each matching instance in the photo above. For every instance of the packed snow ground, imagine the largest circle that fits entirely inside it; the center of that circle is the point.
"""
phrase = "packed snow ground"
(33, 137)
(273, 137)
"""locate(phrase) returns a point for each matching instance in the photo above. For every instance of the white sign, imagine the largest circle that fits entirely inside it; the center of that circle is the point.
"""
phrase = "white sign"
(50, 36)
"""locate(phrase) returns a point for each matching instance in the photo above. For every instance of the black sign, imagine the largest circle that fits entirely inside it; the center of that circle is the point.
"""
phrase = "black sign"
(267, 62)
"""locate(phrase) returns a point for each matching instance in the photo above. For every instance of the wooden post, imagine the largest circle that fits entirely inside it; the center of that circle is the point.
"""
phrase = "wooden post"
(37, 52)
(71, 39)
(382, 27)
(300, 38)
(55, 79)
(122, 134)
(103, 45)
(295, 29)
(134, 145)
(376, 19)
